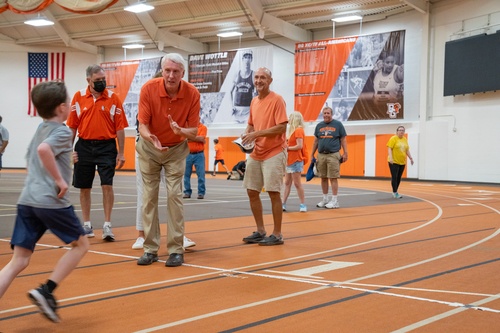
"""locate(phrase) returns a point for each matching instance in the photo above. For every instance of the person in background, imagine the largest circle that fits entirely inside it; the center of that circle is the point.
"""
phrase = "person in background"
(44, 202)
(243, 88)
(97, 115)
(238, 172)
(165, 105)
(196, 158)
(219, 157)
(295, 162)
(266, 164)
(398, 152)
(329, 138)
(4, 140)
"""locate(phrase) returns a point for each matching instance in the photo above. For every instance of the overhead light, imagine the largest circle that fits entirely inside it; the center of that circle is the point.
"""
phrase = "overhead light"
(139, 7)
(133, 46)
(39, 22)
(229, 34)
(347, 18)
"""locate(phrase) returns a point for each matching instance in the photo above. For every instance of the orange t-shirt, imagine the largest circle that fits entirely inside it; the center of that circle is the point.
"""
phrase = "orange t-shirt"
(194, 146)
(296, 155)
(266, 113)
(97, 119)
(155, 105)
(219, 152)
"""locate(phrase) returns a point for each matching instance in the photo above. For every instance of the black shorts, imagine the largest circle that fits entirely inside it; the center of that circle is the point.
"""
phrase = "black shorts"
(91, 154)
(219, 161)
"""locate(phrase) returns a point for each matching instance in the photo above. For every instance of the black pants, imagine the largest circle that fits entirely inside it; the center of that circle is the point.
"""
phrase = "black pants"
(396, 174)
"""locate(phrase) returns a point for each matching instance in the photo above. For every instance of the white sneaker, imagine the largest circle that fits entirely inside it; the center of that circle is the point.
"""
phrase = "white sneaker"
(139, 243)
(303, 208)
(322, 204)
(107, 234)
(332, 204)
(188, 243)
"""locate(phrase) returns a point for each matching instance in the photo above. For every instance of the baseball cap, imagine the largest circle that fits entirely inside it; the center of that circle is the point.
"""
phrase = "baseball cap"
(247, 51)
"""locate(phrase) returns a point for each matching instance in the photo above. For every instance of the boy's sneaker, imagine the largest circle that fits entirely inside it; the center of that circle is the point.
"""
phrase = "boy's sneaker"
(303, 208)
(107, 234)
(332, 204)
(255, 237)
(139, 243)
(89, 231)
(45, 302)
(188, 243)
(284, 207)
(321, 204)
(272, 240)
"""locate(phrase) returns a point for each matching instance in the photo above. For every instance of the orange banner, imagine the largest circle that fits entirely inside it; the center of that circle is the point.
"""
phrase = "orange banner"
(317, 66)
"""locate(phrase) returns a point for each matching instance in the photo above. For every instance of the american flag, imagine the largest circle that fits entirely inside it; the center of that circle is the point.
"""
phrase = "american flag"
(43, 67)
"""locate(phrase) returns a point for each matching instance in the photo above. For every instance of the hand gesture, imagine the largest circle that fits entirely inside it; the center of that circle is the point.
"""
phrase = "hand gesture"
(174, 126)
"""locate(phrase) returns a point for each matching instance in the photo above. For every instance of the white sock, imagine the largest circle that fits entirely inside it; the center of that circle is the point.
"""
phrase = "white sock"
(334, 198)
(88, 224)
(325, 197)
(107, 224)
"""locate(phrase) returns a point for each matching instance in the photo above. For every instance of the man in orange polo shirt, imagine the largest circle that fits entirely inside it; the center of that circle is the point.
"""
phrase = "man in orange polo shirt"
(97, 114)
(196, 158)
(266, 164)
(169, 112)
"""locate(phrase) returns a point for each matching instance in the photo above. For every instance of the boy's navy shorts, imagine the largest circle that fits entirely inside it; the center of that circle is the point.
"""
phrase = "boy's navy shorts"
(91, 154)
(32, 222)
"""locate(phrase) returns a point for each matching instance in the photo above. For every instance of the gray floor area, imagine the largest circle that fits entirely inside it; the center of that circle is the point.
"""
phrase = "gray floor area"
(223, 199)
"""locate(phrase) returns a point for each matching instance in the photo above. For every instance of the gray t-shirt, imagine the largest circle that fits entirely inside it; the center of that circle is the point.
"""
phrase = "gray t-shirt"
(40, 189)
(4, 134)
(329, 135)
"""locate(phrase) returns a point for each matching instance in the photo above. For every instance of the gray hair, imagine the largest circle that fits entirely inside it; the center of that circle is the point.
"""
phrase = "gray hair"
(92, 69)
(176, 58)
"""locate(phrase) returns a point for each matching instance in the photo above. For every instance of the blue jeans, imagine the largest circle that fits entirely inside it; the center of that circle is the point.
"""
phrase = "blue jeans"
(198, 160)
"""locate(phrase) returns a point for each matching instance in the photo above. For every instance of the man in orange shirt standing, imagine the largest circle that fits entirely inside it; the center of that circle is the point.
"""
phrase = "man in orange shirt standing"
(219, 157)
(165, 104)
(266, 164)
(97, 114)
(196, 158)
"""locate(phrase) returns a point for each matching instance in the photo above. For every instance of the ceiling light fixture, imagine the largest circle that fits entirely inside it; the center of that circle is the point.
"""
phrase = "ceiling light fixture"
(39, 22)
(229, 34)
(139, 7)
(133, 46)
(347, 18)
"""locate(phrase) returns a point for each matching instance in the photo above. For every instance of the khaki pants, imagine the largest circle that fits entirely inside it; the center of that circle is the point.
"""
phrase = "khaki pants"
(151, 162)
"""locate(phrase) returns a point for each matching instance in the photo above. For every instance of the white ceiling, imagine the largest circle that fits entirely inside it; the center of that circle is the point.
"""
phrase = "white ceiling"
(191, 25)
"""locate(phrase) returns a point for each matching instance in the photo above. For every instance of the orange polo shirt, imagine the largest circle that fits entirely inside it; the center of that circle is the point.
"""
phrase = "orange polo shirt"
(266, 113)
(155, 105)
(96, 119)
(194, 146)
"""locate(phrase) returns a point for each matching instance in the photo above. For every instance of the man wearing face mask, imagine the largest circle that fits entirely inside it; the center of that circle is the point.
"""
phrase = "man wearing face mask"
(97, 114)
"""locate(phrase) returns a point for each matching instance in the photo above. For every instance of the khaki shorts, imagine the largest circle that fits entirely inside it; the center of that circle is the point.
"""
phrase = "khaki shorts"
(328, 165)
(267, 174)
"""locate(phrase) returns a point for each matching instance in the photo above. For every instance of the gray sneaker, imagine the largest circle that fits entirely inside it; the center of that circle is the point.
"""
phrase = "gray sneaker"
(89, 231)
(107, 234)
(45, 302)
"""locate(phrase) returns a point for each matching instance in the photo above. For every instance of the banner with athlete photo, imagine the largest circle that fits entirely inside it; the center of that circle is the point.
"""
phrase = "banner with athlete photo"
(225, 82)
(359, 77)
(125, 78)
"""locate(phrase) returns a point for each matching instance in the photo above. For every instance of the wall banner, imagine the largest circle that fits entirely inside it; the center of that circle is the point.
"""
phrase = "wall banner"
(225, 81)
(125, 78)
(360, 77)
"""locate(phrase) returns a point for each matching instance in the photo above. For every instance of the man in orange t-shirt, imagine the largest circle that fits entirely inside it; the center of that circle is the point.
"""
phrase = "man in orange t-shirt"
(169, 113)
(196, 158)
(266, 164)
(219, 157)
(97, 114)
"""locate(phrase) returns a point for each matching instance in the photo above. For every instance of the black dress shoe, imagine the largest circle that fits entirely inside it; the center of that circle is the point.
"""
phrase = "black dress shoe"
(174, 260)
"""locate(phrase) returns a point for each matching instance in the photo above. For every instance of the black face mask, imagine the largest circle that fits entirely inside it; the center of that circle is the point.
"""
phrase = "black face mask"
(99, 86)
